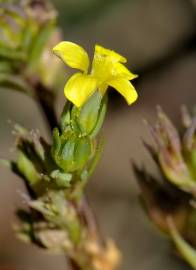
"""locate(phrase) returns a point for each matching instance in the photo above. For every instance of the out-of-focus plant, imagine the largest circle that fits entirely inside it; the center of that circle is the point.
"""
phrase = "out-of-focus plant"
(170, 200)
(27, 34)
(58, 217)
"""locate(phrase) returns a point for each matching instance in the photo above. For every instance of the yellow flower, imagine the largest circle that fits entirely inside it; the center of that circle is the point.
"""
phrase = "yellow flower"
(107, 70)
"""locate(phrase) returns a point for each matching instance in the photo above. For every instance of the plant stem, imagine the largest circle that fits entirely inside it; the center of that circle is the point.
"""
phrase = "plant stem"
(46, 101)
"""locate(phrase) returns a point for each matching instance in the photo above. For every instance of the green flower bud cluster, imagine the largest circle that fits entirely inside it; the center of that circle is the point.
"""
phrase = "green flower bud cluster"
(170, 202)
(74, 152)
(74, 148)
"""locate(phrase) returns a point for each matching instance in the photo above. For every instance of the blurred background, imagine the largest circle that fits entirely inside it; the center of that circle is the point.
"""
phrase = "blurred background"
(158, 37)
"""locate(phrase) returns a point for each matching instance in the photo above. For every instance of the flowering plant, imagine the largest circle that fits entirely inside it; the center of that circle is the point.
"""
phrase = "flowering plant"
(58, 217)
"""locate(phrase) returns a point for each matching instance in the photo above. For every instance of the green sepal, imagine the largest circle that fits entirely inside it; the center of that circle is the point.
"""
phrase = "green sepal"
(66, 155)
(89, 113)
(83, 152)
(100, 119)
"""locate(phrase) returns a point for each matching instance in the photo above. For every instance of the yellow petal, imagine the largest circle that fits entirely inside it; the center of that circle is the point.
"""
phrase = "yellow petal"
(125, 88)
(122, 71)
(72, 54)
(106, 52)
(102, 68)
(79, 88)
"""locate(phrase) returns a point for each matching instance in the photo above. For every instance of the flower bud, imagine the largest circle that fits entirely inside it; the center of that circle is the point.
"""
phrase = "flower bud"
(70, 152)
